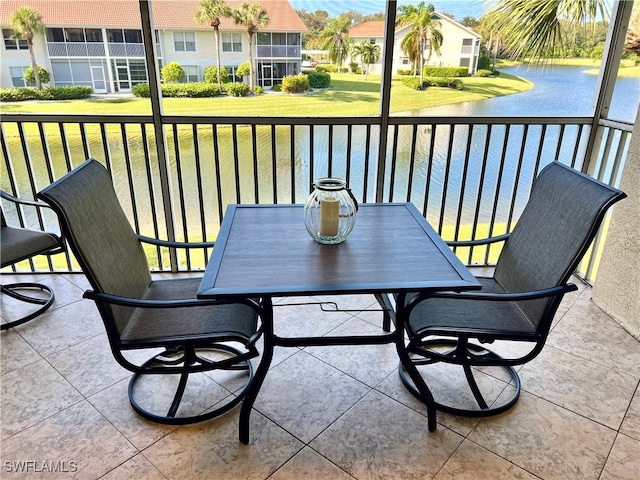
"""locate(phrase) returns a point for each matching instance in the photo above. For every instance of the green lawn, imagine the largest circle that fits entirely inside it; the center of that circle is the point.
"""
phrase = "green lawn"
(349, 95)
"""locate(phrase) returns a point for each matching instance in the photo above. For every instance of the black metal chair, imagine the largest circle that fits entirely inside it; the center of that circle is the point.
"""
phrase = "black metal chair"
(518, 303)
(20, 244)
(141, 313)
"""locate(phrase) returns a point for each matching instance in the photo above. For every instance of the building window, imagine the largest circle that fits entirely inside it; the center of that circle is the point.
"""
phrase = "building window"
(405, 61)
(13, 43)
(184, 41)
(93, 35)
(231, 42)
(74, 34)
(55, 35)
(467, 45)
(372, 41)
(232, 73)
(124, 36)
(138, 71)
(191, 73)
(17, 77)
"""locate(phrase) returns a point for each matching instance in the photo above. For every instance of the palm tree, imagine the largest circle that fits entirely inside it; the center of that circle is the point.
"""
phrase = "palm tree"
(25, 23)
(337, 40)
(210, 13)
(369, 53)
(532, 28)
(252, 16)
(425, 33)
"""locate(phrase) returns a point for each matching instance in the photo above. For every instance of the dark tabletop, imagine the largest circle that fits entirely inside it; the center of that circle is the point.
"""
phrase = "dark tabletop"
(266, 250)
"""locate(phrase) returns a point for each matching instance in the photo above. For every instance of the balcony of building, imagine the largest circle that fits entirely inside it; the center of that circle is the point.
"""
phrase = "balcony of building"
(325, 411)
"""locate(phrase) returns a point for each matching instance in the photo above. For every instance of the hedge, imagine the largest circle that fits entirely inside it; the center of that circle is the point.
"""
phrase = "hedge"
(414, 83)
(318, 79)
(49, 93)
(236, 89)
(179, 90)
(295, 83)
(446, 71)
(484, 73)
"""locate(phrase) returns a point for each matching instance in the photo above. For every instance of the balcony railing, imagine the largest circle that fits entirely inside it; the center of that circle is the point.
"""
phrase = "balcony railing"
(469, 176)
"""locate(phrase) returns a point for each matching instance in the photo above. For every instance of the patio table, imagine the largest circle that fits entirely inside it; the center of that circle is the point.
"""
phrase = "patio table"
(265, 251)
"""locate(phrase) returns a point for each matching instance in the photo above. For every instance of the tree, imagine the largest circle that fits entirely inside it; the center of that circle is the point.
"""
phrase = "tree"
(533, 29)
(252, 16)
(424, 34)
(315, 23)
(337, 39)
(210, 12)
(368, 53)
(30, 78)
(172, 72)
(25, 23)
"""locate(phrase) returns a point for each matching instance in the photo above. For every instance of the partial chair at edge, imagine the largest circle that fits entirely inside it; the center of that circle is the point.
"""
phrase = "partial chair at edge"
(555, 230)
(20, 244)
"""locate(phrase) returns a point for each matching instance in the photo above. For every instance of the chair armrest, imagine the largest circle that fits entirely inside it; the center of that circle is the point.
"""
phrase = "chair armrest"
(495, 297)
(142, 303)
(482, 241)
(167, 243)
(22, 201)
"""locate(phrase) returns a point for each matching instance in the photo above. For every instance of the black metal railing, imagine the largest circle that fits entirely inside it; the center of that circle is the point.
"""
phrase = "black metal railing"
(470, 176)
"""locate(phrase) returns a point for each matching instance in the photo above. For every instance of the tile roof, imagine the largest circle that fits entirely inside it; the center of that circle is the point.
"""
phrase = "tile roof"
(167, 14)
(368, 29)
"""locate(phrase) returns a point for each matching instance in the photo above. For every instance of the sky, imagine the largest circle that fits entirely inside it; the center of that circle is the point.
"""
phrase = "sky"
(458, 8)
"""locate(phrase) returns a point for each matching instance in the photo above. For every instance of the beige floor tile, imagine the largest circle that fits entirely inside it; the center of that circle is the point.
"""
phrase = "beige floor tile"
(309, 465)
(472, 462)
(302, 320)
(588, 332)
(599, 393)
(78, 436)
(368, 363)
(63, 327)
(397, 444)
(631, 423)
(546, 440)
(32, 394)
(305, 395)
(393, 387)
(89, 366)
(623, 462)
(211, 450)
(65, 291)
(113, 404)
(137, 468)
(15, 353)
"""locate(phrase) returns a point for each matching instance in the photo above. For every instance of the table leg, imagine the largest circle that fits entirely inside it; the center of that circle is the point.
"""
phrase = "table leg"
(405, 361)
(261, 371)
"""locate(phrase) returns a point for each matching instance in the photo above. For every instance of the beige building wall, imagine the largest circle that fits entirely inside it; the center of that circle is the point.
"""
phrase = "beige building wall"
(617, 286)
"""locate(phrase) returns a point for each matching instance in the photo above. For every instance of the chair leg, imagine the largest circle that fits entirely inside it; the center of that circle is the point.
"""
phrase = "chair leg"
(388, 311)
(484, 410)
(188, 367)
(11, 290)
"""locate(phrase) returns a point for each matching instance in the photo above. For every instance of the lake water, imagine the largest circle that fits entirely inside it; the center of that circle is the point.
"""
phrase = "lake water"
(557, 91)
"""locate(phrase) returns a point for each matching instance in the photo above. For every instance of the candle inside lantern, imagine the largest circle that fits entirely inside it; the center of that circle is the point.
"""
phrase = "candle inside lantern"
(329, 216)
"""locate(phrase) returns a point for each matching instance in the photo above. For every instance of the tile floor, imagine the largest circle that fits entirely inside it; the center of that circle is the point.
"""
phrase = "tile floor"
(323, 412)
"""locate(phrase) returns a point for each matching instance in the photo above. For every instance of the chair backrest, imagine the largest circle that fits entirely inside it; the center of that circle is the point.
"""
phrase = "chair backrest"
(557, 226)
(100, 235)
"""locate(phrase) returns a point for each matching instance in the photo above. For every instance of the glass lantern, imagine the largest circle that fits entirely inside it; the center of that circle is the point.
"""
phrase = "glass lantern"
(330, 211)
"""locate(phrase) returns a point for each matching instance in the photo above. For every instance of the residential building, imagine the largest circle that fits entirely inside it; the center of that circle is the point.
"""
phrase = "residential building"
(460, 47)
(100, 43)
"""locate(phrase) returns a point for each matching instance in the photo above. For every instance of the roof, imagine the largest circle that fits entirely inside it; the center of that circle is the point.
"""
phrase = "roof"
(167, 14)
(368, 29)
(376, 28)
